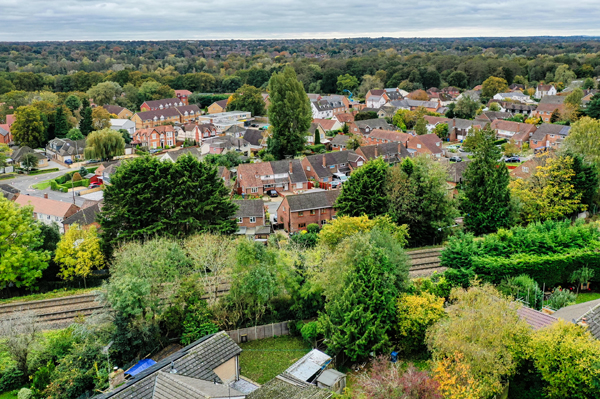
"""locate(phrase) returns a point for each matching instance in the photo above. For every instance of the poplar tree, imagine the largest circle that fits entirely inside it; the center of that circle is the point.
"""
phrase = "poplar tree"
(486, 201)
(87, 122)
(290, 114)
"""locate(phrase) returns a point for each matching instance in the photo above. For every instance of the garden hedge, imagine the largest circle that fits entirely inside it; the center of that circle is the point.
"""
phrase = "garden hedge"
(548, 252)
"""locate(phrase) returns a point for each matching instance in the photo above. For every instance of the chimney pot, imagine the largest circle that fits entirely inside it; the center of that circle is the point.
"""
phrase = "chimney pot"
(291, 168)
(46, 195)
(324, 162)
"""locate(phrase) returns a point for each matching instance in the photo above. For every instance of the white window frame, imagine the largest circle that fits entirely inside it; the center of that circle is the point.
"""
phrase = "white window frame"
(252, 219)
(240, 220)
(254, 190)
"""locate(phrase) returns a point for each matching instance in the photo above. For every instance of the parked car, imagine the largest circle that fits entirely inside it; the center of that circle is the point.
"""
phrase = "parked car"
(336, 183)
(68, 162)
(455, 159)
(92, 161)
(273, 193)
(94, 185)
(512, 159)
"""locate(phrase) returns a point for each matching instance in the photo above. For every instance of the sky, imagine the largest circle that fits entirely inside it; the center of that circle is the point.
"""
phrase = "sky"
(36, 20)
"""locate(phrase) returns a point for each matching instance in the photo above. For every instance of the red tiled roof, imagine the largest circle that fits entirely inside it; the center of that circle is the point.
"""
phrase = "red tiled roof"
(45, 206)
(534, 318)
(182, 93)
(345, 118)
(390, 135)
(327, 124)
(249, 174)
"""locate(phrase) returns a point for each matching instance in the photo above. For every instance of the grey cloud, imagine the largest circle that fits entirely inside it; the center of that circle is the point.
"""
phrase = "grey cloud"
(240, 19)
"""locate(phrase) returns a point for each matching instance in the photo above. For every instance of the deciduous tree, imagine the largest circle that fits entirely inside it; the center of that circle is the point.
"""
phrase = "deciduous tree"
(346, 82)
(492, 86)
(584, 139)
(247, 98)
(21, 261)
(104, 145)
(416, 313)
(28, 128)
(105, 92)
(78, 252)
(101, 118)
(29, 161)
(75, 134)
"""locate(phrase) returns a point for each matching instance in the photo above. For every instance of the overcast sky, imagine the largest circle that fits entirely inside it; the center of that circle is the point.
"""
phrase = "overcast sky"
(23, 20)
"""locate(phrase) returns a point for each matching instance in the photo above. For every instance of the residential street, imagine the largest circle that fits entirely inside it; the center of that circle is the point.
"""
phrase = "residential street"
(24, 183)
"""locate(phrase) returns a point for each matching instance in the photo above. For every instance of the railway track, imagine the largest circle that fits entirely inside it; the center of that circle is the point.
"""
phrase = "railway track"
(424, 262)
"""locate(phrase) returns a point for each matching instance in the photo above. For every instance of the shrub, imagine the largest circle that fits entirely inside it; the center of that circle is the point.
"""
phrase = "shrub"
(416, 313)
(25, 393)
(561, 298)
(11, 378)
(309, 332)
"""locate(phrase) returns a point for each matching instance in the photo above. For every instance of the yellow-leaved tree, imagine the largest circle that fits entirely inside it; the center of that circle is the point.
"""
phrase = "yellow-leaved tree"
(548, 194)
(78, 252)
(416, 313)
(345, 226)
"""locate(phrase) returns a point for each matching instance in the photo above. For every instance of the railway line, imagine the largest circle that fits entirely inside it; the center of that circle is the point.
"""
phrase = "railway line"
(60, 312)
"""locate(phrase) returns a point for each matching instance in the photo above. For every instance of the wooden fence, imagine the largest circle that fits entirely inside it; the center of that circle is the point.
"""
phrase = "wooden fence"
(260, 332)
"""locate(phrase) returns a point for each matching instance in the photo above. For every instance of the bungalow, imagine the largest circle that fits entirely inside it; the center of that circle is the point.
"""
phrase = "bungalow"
(392, 153)
(207, 368)
(251, 221)
(218, 107)
(298, 211)
(48, 211)
(18, 155)
(328, 124)
(365, 127)
(429, 144)
(165, 103)
(65, 150)
(173, 156)
(518, 132)
(120, 112)
(183, 96)
(256, 178)
(544, 90)
(548, 136)
(316, 129)
(321, 167)
(85, 217)
(378, 136)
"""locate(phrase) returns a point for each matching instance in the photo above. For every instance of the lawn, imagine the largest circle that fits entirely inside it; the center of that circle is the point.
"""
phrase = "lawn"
(48, 295)
(587, 296)
(263, 359)
(9, 395)
(41, 185)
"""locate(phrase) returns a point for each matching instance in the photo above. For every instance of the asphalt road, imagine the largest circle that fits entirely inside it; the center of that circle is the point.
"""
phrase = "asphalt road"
(23, 183)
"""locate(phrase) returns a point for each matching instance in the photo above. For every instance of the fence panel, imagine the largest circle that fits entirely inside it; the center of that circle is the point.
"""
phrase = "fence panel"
(259, 332)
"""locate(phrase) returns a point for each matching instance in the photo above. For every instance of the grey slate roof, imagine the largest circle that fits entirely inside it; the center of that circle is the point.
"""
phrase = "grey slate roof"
(18, 153)
(549, 128)
(254, 137)
(85, 216)
(8, 191)
(553, 100)
(308, 201)
(197, 360)
(340, 139)
(388, 149)
(175, 386)
(3, 132)
(378, 123)
(247, 208)
(535, 318)
(175, 155)
(456, 170)
(297, 176)
(331, 158)
(576, 312)
(282, 387)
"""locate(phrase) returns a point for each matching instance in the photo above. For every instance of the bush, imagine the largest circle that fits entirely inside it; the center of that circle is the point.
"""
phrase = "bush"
(25, 393)
(561, 298)
(41, 171)
(11, 378)
(416, 313)
(309, 332)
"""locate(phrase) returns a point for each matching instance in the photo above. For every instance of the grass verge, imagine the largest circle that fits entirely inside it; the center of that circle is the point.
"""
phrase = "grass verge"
(48, 295)
(41, 185)
(263, 359)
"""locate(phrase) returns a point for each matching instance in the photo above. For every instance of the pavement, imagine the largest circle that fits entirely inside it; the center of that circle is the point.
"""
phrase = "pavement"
(24, 182)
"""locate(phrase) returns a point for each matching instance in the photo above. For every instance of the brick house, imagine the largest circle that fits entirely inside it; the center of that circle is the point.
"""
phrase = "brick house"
(197, 133)
(321, 167)
(378, 136)
(150, 119)
(251, 219)
(255, 179)
(518, 132)
(392, 153)
(183, 95)
(433, 121)
(120, 112)
(298, 211)
(316, 128)
(85, 217)
(344, 118)
(165, 103)
(515, 108)
(548, 136)
(48, 211)
(5, 134)
(157, 137)
(328, 124)
(429, 144)
(218, 107)
(545, 111)
(459, 128)
(339, 142)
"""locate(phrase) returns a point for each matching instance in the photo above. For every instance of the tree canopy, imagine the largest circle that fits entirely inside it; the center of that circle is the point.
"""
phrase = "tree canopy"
(104, 145)
(364, 192)
(247, 98)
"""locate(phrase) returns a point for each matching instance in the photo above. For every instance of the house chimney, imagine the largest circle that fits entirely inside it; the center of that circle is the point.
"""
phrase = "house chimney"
(324, 161)
(291, 168)
(376, 152)
(46, 195)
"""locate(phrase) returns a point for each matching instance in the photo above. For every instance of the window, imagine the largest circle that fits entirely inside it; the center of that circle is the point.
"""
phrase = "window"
(153, 136)
(283, 208)
(308, 168)
(300, 214)
(298, 185)
(322, 211)
(240, 220)
(342, 165)
(331, 166)
(252, 219)
(525, 169)
(301, 225)
(418, 145)
(254, 190)
(325, 179)
(312, 212)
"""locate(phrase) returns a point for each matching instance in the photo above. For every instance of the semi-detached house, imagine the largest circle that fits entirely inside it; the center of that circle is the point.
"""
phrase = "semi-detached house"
(255, 179)
(48, 211)
(321, 167)
(298, 211)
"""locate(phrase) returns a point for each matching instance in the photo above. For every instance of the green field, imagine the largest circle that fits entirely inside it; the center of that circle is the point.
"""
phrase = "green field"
(264, 359)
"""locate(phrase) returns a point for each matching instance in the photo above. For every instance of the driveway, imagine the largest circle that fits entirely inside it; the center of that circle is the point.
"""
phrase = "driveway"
(273, 205)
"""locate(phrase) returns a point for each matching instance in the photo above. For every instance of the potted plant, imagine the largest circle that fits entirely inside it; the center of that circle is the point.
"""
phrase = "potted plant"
(582, 278)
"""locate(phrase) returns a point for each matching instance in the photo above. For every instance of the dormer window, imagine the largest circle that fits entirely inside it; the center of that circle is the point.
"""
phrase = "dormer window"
(418, 145)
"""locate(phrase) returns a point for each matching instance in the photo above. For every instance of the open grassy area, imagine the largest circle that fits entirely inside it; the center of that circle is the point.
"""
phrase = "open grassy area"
(263, 359)
(587, 296)
(48, 295)
(41, 185)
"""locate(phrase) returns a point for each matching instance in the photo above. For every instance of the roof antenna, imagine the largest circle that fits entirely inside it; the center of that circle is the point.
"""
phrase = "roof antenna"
(173, 369)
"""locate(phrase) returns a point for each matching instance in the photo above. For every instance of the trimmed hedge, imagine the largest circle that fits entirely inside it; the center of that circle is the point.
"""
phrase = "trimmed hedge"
(548, 252)
(42, 171)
